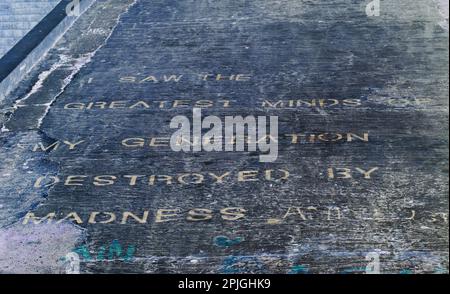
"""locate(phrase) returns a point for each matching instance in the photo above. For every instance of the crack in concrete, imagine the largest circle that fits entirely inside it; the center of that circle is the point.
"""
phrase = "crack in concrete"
(81, 62)
(70, 232)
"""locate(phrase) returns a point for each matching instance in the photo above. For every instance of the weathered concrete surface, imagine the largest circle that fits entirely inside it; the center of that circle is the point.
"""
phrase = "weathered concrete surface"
(384, 76)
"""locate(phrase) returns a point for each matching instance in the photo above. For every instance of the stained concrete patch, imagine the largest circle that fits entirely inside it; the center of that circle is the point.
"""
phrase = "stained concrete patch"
(30, 249)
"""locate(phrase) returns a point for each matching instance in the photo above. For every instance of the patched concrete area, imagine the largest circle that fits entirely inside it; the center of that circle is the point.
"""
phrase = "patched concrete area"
(40, 249)
(362, 170)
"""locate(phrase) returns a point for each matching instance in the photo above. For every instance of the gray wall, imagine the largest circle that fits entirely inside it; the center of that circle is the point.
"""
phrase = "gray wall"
(18, 17)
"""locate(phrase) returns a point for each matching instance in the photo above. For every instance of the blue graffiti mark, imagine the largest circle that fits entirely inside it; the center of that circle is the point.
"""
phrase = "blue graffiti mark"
(440, 270)
(83, 251)
(223, 241)
(101, 253)
(299, 269)
(353, 270)
(437, 270)
(115, 250)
